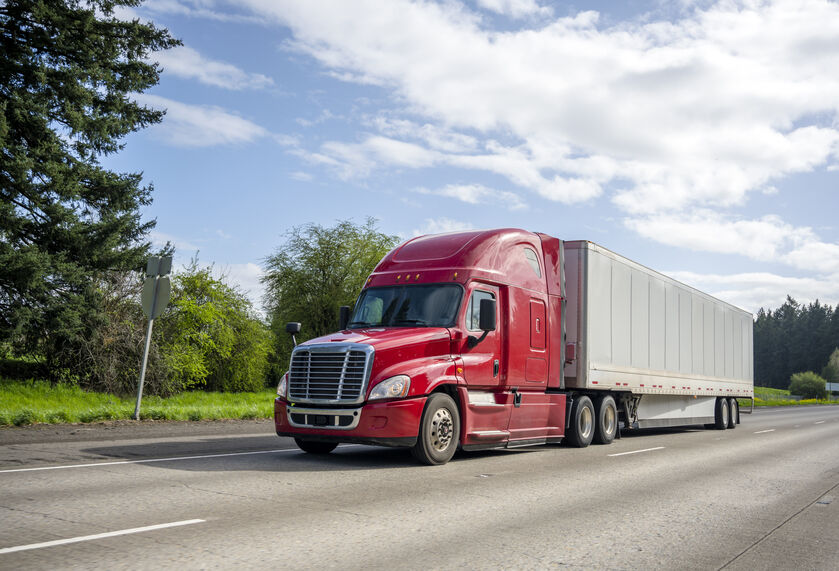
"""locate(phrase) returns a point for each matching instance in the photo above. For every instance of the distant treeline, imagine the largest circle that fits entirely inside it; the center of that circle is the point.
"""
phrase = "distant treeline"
(791, 339)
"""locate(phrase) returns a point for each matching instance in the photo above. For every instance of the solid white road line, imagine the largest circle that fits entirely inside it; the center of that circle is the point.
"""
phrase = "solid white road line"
(147, 461)
(98, 536)
(637, 451)
(764, 431)
(819, 422)
(150, 460)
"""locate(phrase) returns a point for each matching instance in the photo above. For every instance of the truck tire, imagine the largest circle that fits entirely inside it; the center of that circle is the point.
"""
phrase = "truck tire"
(721, 414)
(315, 447)
(607, 420)
(581, 431)
(439, 431)
(733, 413)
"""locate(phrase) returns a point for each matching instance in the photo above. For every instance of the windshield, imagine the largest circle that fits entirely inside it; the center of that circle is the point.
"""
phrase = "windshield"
(407, 306)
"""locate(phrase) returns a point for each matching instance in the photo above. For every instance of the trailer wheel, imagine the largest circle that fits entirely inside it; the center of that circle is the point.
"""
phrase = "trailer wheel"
(315, 447)
(721, 414)
(439, 431)
(607, 420)
(581, 431)
(733, 413)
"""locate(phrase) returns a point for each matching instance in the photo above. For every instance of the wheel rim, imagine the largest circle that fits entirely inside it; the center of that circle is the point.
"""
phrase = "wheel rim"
(442, 429)
(585, 423)
(609, 420)
(724, 410)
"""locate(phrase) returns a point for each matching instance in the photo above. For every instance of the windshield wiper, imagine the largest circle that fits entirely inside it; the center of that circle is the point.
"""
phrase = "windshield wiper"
(362, 323)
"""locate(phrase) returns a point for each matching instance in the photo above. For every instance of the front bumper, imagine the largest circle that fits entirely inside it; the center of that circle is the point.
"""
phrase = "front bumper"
(390, 423)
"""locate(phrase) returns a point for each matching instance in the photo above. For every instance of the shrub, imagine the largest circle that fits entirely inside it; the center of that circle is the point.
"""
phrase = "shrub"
(210, 337)
(808, 385)
(106, 356)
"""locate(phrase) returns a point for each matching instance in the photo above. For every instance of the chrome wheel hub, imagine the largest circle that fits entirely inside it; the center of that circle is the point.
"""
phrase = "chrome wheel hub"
(586, 422)
(442, 429)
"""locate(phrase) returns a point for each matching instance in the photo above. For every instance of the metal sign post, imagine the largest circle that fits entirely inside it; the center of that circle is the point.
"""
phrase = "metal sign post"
(156, 291)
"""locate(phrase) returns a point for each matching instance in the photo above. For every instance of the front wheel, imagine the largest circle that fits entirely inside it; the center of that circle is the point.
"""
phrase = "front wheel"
(315, 447)
(439, 431)
(582, 422)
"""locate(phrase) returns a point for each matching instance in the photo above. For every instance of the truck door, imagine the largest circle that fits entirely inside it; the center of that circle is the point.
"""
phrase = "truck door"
(528, 368)
(482, 365)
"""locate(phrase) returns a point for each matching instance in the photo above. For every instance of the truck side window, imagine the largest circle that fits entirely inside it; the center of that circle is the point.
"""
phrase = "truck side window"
(473, 312)
(533, 260)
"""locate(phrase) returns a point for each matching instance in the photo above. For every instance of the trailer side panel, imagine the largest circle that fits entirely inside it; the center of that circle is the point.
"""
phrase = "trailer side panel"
(637, 330)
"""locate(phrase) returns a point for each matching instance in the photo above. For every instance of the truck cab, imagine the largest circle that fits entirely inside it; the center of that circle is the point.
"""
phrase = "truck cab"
(455, 340)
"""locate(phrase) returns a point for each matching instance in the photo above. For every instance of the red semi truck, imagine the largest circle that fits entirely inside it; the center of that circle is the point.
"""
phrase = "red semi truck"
(506, 338)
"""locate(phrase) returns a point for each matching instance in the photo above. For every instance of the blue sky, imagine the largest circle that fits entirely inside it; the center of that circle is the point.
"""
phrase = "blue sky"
(698, 138)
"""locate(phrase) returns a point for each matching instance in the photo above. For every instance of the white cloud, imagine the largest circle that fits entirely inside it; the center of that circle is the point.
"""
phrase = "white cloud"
(441, 225)
(160, 239)
(515, 8)
(201, 125)
(196, 9)
(188, 63)
(707, 231)
(477, 194)
(246, 278)
(437, 137)
(765, 239)
(519, 165)
(301, 176)
(751, 291)
(325, 115)
(700, 111)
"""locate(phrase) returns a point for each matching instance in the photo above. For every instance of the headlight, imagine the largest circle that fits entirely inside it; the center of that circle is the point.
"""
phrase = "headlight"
(283, 386)
(391, 388)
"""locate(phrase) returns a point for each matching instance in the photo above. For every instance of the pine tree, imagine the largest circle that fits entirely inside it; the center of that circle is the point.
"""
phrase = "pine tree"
(68, 70)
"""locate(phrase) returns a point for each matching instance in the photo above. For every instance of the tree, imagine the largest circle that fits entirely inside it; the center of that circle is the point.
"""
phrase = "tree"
(209, 337)
(807, 385)
(67, 73)
(792, 338)
(314, 272)
(830, 373)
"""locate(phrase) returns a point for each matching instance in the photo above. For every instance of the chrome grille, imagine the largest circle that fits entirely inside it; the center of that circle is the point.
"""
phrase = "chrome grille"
(335, 373)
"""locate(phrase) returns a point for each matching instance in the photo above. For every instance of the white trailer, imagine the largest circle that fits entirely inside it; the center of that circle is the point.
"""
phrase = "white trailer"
(670, 353)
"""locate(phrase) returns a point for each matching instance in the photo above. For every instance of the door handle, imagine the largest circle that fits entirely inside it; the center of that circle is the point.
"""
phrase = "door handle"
(495, 367)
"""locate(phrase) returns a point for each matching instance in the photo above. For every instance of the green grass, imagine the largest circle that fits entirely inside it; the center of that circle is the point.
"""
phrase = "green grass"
(766, 391)
(30, 402)
(765, 396)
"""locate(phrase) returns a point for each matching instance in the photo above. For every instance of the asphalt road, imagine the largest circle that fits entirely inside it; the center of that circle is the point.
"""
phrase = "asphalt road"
(222, 495)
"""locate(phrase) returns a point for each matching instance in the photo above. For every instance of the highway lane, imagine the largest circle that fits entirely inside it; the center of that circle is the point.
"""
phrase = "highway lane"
(764, 495)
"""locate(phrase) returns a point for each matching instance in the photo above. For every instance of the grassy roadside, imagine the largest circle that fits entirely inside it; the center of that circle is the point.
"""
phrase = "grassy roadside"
(30, 402)
(765, 396)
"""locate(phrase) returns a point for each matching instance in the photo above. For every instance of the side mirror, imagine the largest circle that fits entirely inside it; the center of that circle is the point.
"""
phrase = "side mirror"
(293, 328)
(343, 317)
(486, 322)
(487, 319)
